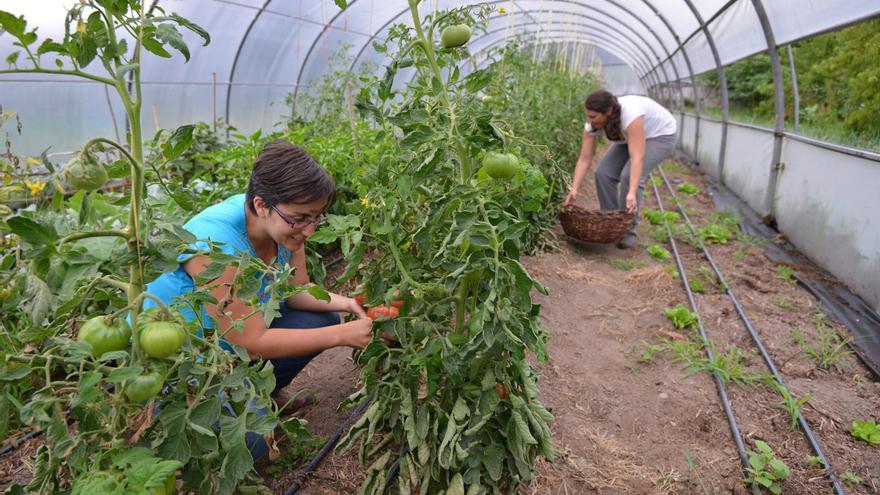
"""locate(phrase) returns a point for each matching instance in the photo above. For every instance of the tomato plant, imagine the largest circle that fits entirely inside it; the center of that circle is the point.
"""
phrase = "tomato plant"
(116, 417)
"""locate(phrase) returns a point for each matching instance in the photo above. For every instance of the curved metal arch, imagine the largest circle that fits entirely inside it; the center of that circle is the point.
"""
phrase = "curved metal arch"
(494, 31)
(611, 27)
(315, 42)
(395, 18)
(638, 19)
(497, 42)
(719, 68)
(689, 37)
(631, 59)
(778, 130)
(687, 59)
(244, 38)
(600, 40)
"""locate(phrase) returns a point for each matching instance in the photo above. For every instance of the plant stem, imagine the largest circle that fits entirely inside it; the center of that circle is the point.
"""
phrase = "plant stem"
(77, 73)
(95, 233)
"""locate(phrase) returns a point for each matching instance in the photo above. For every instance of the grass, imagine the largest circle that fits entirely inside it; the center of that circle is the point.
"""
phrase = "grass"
(791, 404)
(785, 273)
(627, 265)
(782, 303)
(730, 367)
(832, 349)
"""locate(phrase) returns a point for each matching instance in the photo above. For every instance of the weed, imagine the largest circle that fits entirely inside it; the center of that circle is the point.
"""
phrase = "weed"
(660, 234)
(646, 355)
(697, 284)
(693, 466)
(782, 303)
(784, 272)
(832, 349)
(765, 469)
(815, 461)
(673, 168)
(658, 181)
(658, 252)
(685, 350)
(790, 403)
(295, 454)
(866, 431)
(671, 270)
(627, 265)
(729, 367)
(726, 219)
(851, 479)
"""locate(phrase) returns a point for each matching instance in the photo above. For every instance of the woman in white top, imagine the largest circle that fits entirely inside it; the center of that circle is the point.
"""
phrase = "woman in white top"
(642, 135)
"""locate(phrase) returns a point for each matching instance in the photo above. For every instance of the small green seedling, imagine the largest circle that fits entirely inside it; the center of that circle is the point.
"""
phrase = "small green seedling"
(782, 303)
(688, 188)
(765, 469)
(681, 317)
(815, 461)
(697, 284)
(657, 217)
(851, 479)
(866, 431)
(658, 252)
(791, 404)
(831, 351)
(627, 265)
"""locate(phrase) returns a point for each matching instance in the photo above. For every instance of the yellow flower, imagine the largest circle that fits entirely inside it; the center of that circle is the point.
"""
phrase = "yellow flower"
(36, 186)
(365, 201)
(502, 10)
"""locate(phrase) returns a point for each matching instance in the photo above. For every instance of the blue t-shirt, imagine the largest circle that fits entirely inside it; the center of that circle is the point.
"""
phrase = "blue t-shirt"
(223, 224)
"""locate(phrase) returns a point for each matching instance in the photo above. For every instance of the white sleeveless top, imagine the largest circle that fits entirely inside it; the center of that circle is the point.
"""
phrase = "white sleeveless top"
(657, 119)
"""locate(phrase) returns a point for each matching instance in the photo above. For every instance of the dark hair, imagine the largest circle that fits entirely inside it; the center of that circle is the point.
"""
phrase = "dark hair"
(601, 101)
(285, 173)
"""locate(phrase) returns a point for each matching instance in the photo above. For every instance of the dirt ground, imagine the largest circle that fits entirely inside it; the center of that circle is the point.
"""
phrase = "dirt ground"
(630, 421)
(628, 418)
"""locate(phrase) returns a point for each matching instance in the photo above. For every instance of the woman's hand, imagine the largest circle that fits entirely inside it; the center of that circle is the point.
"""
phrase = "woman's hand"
(357, 333)
(571, 197)
(354, 308)
(631, 202)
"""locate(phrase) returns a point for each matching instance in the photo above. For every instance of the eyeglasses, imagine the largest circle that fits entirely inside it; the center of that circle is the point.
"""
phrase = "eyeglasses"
(299, 223)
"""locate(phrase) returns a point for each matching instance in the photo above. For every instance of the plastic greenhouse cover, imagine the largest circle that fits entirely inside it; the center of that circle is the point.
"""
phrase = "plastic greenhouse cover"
(261, 49)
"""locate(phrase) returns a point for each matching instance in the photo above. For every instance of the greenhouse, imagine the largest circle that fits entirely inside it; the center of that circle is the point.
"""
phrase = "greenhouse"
(440, 247)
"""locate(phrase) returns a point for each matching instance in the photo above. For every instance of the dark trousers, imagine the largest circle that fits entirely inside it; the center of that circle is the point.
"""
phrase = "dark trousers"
(287, 368)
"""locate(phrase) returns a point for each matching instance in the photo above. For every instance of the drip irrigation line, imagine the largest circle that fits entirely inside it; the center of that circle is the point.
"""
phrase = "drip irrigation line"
(9, 447)
(805, 427)
(331, 442)
(395, 469)
(719, 383)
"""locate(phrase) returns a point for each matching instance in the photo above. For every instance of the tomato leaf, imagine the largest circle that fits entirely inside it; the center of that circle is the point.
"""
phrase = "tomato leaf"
(31, 231)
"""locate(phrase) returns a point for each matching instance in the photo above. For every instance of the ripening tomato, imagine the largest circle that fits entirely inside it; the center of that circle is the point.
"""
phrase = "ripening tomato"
(377, 312)
(396, 300)
(105, 336)
(502, 392)
(144, 387)
(160, 332)
(455, 35)
(500, 165)
(85, 173)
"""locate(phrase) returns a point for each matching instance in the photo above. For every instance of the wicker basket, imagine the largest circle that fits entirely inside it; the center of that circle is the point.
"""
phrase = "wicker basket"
(595, 225)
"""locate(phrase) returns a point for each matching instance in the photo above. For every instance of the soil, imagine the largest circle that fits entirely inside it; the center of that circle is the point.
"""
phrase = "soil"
(631, 418)
(625, 425)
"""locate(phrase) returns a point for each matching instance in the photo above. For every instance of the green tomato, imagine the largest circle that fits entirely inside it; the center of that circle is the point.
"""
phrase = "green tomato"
(160, 339)
(105, 337)
(144, 387)
(455, 35)
(85, 173)
(500, 165)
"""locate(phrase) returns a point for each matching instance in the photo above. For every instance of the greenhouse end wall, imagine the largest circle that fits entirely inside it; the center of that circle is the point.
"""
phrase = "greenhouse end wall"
(825, 203)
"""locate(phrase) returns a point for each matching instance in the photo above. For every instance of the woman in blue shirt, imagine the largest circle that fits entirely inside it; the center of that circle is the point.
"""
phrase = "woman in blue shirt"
(286, 198)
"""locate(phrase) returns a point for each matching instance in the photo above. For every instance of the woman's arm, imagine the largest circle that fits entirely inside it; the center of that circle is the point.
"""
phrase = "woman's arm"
(269, 343)
(583, 164)
(305, 301)
(635, 141)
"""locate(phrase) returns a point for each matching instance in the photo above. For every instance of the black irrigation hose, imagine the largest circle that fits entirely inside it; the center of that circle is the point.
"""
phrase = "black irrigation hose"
(814, 444)
(331, 442)
(9, 447)
(719, 383)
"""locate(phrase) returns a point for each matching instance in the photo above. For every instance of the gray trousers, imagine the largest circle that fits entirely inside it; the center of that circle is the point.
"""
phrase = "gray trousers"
(612, 175)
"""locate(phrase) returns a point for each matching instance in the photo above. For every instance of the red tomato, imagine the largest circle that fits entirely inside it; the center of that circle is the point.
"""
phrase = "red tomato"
(359, 299)
(377, 312)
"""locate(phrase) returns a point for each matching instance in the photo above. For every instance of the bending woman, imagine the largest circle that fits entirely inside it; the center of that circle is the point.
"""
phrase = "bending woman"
(642, 135)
